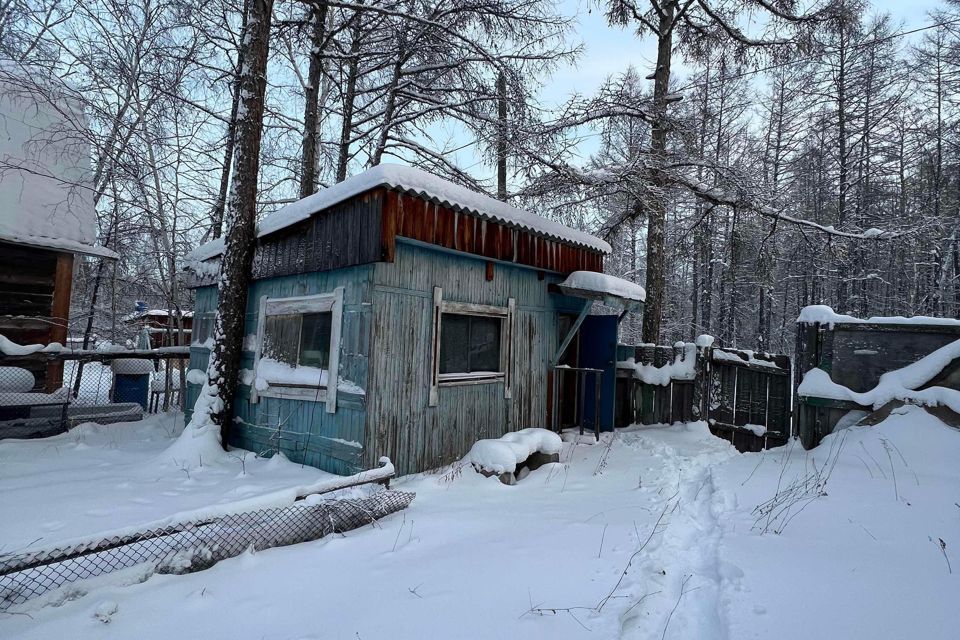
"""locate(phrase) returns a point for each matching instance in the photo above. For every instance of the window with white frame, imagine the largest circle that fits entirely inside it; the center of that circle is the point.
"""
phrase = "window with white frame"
(297, 350)
(472, 344)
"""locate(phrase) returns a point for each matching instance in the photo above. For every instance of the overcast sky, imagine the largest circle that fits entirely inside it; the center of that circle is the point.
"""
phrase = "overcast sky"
(608, 51)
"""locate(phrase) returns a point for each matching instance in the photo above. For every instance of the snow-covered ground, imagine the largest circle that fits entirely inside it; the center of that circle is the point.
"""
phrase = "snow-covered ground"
(654, 532)
(108, 478)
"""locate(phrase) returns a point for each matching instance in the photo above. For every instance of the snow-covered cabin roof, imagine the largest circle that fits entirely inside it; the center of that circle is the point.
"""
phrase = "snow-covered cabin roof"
(605, 288)
(45, 192)
(424, 185)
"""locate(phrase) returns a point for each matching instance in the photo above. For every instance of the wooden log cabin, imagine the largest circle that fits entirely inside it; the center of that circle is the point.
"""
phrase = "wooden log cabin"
(435, 309)
(46, 219)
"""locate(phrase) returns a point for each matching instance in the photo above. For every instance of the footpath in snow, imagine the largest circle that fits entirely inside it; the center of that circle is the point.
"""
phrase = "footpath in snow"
(653, 533)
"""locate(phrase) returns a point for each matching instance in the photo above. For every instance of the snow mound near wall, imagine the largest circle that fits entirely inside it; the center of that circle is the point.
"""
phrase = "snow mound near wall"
(502, 455)
(16, 380)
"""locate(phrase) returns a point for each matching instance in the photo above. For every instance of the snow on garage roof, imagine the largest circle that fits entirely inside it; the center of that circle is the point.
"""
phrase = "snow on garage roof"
(45, 195)
(420, 183)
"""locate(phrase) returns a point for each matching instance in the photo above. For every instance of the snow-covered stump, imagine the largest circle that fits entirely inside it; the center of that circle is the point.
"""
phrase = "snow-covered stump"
(509, 455)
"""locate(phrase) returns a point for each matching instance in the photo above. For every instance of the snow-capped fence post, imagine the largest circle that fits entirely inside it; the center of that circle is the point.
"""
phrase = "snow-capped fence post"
(701, 379)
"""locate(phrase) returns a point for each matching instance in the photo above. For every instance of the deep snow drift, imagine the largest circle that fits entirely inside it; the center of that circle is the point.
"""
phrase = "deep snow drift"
(655, 532)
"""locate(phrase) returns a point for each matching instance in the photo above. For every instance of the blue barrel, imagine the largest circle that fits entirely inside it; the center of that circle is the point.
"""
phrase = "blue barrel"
(131, 380)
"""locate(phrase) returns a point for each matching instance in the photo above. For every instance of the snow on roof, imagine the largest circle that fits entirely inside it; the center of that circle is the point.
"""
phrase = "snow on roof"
(45, 195)
(420, 183)
(154, 312)
(604, 285)
(822, 314)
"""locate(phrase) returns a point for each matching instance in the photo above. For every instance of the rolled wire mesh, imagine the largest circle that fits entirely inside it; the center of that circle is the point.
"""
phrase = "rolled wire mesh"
(190, 546)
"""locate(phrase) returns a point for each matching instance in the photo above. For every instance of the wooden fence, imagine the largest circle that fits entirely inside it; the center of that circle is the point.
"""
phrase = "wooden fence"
(745, 397)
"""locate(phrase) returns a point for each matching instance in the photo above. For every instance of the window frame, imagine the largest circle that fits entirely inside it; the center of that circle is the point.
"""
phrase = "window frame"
(300, 305)
(504, 314)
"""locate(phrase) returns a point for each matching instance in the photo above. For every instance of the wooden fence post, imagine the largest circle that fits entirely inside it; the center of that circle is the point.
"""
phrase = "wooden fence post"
(701, 380)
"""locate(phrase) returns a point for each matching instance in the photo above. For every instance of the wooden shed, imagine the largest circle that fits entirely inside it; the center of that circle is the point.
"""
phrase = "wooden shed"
(46, 218)
(854, 354)
(434, 308)
(167, 327)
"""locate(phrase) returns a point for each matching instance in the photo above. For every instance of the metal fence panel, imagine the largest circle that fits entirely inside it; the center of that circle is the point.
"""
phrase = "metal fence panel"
(43, 394)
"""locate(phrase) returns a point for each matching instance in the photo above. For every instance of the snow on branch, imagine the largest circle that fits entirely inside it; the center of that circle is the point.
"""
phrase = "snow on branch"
(740, 198)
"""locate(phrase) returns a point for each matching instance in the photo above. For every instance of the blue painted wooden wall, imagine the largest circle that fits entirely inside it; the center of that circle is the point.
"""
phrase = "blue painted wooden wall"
(400, 422)
(386, 350)
(302, 430)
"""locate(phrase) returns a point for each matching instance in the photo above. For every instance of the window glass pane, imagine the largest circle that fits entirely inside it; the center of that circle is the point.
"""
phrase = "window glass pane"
(281, 335)
(455, 343)
(469, 343)
(315, 340)
(202, 327)
(484, 343)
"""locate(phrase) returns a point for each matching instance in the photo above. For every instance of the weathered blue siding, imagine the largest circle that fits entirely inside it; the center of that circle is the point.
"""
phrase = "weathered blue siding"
(303, 430)
(386, 350)
(400, 422)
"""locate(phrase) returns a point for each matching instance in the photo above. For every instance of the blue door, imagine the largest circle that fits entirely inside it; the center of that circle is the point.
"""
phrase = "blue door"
(598, 350)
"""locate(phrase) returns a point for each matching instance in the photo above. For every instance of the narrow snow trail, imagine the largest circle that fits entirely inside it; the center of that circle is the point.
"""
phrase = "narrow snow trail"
(680, 577)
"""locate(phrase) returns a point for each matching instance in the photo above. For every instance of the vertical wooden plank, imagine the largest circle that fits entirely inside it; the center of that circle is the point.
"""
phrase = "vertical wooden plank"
(435, 351)
(388, 227)
(333, 376)
(508, 356)
(60, 313)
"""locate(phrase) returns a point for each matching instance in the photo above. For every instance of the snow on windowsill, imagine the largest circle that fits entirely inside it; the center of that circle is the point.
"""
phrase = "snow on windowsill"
(273, 372)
